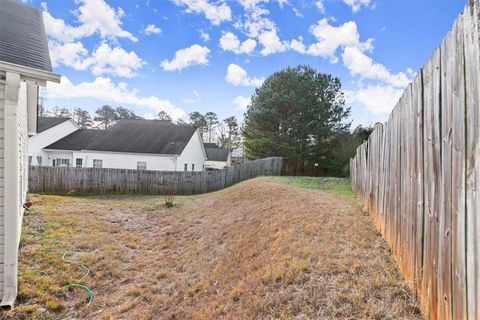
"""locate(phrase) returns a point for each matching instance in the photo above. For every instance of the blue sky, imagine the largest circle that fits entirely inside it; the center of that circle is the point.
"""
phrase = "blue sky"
(201, 55)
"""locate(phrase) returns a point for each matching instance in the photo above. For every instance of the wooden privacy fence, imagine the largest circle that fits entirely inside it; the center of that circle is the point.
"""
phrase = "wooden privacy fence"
(103, 181)
(419, 176)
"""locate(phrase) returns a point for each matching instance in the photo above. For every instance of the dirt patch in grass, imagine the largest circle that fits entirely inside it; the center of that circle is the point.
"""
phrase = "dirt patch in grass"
(259, 250)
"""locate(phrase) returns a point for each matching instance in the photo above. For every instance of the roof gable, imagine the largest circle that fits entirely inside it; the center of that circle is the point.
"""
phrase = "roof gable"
(22, 36)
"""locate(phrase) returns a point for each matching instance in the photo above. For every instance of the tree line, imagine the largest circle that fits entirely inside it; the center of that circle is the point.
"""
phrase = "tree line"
(225, 133)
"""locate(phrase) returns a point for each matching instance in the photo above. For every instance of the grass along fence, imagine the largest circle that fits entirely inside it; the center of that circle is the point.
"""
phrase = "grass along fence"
(104, 181)
(419, 176)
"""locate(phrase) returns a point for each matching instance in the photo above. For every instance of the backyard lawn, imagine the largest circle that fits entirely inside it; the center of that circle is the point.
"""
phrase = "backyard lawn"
(268, 248)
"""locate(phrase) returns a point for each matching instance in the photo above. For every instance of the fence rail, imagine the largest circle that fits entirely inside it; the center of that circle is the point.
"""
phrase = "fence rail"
(103, 181)
(419, 175)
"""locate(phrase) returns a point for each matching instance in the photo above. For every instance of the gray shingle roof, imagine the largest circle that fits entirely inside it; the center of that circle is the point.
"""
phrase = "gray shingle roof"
(77, 140)
(22, 36)
(45, 123)
(132, 136)
(215, 153)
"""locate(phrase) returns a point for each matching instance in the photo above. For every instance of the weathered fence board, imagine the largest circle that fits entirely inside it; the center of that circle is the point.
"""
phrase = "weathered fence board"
(419, 175)
(102, 181)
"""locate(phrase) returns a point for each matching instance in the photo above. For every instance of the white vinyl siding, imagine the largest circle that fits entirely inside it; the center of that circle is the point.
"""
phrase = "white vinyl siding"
(2, 179)
(22, 143)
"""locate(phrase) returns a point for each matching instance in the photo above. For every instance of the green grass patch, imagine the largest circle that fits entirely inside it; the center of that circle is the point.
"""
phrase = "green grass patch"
(340, 186)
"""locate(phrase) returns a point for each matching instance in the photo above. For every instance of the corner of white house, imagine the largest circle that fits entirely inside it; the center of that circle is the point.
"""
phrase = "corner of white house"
(38, 141)
(193, 156)
(18, 119)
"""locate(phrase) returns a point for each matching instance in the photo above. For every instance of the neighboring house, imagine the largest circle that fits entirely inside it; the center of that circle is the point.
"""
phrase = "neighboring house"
(24, 65)
(238, 155)
(217, 158)
(130, 144)
(49, 130)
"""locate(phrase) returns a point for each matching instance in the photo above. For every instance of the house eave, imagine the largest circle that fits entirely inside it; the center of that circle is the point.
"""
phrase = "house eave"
(39, 76)
(114, 152)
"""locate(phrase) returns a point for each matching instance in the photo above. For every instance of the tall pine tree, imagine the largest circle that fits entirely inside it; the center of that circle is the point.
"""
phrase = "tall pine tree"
(296, 114)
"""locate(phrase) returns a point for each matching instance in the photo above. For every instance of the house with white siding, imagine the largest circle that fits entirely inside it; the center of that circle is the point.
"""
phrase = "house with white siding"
(129, 144)
(49, 130)
(24, 66)
(217, 157)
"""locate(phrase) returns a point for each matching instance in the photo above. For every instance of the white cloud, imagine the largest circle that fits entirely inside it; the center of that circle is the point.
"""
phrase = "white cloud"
(297, 45)
(105, 89)
(196, 98)
(104, 60)
(152, 29)
(69, 54)
(204, 35)
(98, 16)
(184, 58)
(320, 6)
(237, 76)
(242, 102)
(94, 16)
(376, 99)
(330, 38)
(115, 61)
(59, 30)
(215, 13)
(361, 65)
(356, 5)
(255, 21)
(297, 13)
(230, 42)
(271, 43)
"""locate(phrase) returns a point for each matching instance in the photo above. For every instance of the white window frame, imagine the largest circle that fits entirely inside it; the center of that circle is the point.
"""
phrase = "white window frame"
(96, 162)
(141, 165)
(62, 162)
(76, 163)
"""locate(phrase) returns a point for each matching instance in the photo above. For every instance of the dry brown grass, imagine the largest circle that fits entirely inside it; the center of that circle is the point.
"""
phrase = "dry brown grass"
(258, 250)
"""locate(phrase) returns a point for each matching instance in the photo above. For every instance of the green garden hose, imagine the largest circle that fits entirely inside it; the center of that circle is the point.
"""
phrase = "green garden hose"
(90, 293)
(81, 286)
(77, 263)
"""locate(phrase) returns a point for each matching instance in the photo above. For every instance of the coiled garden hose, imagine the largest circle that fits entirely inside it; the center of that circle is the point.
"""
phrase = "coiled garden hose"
(81, 286)
(78, 264)
(75, 285)
(90, 293)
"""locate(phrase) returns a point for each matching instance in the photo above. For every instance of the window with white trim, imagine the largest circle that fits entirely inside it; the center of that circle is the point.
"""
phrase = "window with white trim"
(97, 163)
(79, 162)
(193, 166)
(141, 165)
(185, 167)
(60, 162)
